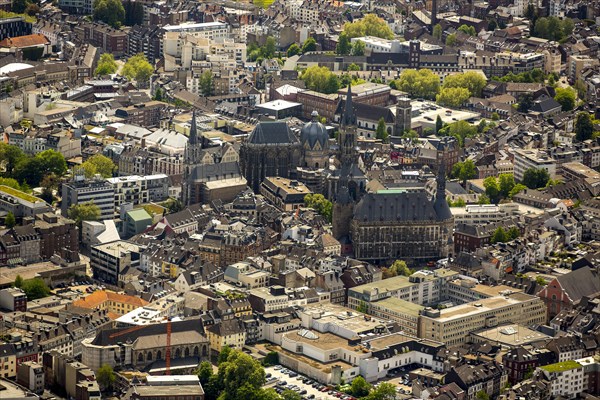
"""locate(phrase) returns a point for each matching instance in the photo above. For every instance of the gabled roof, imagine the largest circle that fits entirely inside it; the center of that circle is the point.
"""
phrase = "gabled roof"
(579, 283)
(36, 39)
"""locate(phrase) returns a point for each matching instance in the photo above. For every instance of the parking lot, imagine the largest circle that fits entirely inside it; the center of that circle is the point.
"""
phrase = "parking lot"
(281, 379)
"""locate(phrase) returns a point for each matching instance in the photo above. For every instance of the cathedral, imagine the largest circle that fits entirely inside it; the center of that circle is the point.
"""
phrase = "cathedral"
(389, 224)
(272, 149)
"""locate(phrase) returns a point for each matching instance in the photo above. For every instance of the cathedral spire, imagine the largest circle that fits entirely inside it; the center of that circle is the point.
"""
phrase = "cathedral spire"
(348, 117)
(193, 130)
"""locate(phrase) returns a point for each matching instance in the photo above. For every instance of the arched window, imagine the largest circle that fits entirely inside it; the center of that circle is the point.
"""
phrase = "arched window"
(204, 351)
(149, 356)
(140, 358)
(187, 352)
(196, 351)
(178, 353)
(553, 297)
(159, 355)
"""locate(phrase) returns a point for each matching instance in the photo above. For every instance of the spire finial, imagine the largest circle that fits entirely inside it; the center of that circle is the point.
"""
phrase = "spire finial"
(348, 108)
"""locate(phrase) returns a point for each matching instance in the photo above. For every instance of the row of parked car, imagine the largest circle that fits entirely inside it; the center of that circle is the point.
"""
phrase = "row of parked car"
(284, 385)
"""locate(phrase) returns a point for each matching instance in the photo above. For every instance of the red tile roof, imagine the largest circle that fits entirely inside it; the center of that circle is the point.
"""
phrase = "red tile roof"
(36, 39)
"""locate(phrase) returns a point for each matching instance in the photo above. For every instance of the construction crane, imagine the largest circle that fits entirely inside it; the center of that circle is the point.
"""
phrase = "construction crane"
(168, 351)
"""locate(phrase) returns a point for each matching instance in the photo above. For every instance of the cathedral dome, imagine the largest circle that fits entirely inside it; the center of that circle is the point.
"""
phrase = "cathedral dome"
(314, 132)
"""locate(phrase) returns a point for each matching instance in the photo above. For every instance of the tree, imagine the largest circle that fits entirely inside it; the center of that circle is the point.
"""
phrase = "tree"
(272, 358)
(519, 187)
(466, 171)
(84, 212)
(506, 184)
(310, 44)
(437, 32)
(10, 156)
(206, 83)
(458, 203)
(32, 9)
(134, 13)
(525, 103)
(439, 124)
(358, 48)
(468, 30)
(353, 67)
(290, 395)
(204, 372)
(158, 94)
(320, 79)
(35, 288)
(584, 126)
(385, 391)
(240, 377)
(460, 130)
(513, 233)
(370, 25)
(472, 81)
(268, 51)
(452, 97)
(53, 162)
(110, 11)
(566, 98)
(484, 199)
(495, 116)
(540, 281)
(138, 68)
(381, 132)
(535, 178)
(106, 65)
(360, 387)
(223, 354)
(399, 267)
(482, 395)
(106, 376)
(492, 190)
(10, 221)
(451, 40)
(18, 281)
(499, 236)
(293, 50)
(319, 203)
(422, 83)
(492, 25)
(99, 164)
(343, 46)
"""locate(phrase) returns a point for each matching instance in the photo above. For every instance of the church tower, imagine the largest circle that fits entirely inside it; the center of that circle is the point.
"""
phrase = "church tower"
(192, 157)
(347, 134)
(344, 200)
(403, 119)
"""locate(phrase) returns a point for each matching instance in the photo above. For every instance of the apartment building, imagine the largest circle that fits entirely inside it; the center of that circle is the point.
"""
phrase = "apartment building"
(525, 159)
(422, 287)
(453, 325)
(566, 378)
(209, 30)
(142, 114)
(137, 189)
(98, 191)
(108, 260)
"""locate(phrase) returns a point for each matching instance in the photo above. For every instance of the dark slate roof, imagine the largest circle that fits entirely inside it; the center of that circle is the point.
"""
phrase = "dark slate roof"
(544, 105)
(128, 334)
(314, 132)
(277, 132)
(367, 112)
(385, 58)
(411, 206)
(213, 172)
(579, 283)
